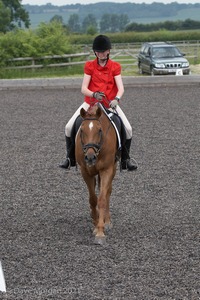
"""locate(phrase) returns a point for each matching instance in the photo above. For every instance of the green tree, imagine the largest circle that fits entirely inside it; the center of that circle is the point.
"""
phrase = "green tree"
(52, 39)
(5, 17)
(167, 25)
(57, 18)
(47, 39)
(91, 30)
(113, 22)
(190, 24)
(73, 23)
(105, 23)
(123, 21)
(88, 22)
(12, 15)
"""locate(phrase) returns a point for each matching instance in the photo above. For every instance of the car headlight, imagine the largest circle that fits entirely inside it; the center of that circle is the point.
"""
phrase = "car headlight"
(185, 64)
(159, 66)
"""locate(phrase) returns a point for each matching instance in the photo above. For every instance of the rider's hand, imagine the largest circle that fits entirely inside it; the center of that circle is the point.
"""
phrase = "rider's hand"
(114, 103)
(98, 95)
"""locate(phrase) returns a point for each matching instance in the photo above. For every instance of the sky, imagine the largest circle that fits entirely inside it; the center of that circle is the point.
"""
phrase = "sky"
(65, 2)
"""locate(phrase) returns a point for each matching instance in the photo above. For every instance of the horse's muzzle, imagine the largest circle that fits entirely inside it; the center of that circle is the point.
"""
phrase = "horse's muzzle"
(90, 158)
(91, 152)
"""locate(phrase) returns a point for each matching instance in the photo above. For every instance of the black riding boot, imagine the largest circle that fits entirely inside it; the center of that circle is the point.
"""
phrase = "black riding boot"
(126, 163)
(70, 158)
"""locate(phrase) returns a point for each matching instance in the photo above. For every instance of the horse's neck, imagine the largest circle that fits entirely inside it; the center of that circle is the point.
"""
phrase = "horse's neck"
(104, 120)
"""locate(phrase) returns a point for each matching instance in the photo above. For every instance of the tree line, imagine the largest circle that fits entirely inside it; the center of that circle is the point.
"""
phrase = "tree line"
(187, 24)
(132, 10)
(13, 15)
(120, 23)
(89, 25)
(112, 23)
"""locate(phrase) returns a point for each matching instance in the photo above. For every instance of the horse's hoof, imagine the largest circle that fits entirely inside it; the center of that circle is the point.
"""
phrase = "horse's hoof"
(95, 231)
(100, 240)
(108, 226)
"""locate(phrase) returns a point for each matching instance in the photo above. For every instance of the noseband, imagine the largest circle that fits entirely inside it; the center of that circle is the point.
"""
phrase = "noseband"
(96, 147)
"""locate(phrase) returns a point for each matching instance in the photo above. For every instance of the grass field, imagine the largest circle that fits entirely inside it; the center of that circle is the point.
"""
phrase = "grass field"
(193, 14)
(128, 61)
(35, 19)
(127, 70)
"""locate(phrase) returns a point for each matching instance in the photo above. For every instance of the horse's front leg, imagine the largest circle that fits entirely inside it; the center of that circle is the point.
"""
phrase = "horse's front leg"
(103, 206)
(108, 224)
(99, 228)
(109, 191)
(91, 184)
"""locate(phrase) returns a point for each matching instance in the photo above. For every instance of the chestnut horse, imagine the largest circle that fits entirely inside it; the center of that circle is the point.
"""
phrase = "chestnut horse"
(96, 150)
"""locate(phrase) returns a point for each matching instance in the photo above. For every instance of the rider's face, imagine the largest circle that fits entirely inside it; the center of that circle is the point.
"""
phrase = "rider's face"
(102, 55)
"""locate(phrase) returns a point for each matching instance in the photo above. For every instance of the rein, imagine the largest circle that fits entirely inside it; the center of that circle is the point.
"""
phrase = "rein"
(104, 99)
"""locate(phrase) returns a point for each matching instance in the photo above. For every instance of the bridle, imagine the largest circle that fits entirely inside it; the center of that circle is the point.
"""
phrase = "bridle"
(95, 146)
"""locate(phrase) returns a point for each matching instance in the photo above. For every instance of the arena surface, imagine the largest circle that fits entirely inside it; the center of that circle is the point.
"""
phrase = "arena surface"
(47, 248)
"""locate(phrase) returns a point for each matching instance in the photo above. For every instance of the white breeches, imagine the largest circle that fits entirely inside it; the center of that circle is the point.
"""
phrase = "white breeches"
(85, 105)
(125, 121)
(70, 123)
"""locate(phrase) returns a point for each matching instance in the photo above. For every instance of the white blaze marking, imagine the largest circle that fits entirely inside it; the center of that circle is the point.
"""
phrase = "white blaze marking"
(91, 125)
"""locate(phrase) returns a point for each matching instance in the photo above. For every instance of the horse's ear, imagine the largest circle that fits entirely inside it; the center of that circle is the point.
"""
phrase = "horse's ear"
(82, 112)
(98, 112)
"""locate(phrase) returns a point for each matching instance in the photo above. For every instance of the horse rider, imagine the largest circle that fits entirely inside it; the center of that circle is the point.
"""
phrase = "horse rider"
(102, 81)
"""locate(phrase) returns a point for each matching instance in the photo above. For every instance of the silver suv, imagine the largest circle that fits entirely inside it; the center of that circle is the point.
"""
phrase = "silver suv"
(160, 58)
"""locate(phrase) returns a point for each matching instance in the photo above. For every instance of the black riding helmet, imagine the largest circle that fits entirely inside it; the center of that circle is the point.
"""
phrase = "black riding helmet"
(101, 43)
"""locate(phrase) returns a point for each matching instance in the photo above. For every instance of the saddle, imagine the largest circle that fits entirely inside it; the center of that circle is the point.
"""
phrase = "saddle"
(117, 124)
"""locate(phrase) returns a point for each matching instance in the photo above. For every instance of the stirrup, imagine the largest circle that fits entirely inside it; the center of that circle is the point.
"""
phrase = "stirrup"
(66, 164)
(125, 165)
(134, 164)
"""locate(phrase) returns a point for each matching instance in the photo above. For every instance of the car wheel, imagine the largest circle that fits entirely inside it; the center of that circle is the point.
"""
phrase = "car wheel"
(151, 71)
(140, 69)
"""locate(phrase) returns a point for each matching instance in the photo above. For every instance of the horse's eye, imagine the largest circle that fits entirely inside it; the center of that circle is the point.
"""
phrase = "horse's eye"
(82, 134)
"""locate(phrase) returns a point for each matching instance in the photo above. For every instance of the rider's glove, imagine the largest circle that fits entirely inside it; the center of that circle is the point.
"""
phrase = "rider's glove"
(98, 95)
(114, 103)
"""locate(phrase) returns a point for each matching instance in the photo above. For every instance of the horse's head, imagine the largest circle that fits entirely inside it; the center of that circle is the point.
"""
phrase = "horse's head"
(91, 134)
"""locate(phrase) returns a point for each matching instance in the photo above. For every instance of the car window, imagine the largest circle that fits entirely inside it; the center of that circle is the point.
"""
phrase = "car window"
(176, 52)
(160, 52)
(146, 50)
(142, 48)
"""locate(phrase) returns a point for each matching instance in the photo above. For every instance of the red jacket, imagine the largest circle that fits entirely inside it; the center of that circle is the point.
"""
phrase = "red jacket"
(102, 80)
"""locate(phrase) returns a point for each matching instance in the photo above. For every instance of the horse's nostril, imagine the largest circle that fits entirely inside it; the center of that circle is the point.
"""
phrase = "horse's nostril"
(90, 159)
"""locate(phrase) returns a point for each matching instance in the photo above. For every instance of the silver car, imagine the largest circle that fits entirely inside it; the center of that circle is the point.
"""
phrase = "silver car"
(160, 58)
